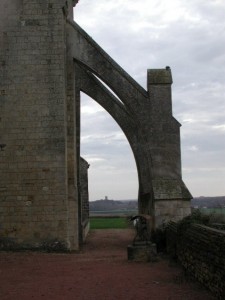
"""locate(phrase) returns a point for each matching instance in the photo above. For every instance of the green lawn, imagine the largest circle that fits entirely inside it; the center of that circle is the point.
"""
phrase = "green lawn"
(108, 223)
(219, 210)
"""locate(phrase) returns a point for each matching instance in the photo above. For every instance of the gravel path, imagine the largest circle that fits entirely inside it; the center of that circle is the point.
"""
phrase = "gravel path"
(99, 272)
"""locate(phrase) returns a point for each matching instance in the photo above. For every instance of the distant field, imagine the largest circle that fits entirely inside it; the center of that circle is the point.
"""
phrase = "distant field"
(108, 223)
(213, 210)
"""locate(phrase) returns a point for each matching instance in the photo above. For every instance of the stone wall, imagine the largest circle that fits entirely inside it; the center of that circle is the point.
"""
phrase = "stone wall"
(84, 198)
(200, 250)
(33, 124)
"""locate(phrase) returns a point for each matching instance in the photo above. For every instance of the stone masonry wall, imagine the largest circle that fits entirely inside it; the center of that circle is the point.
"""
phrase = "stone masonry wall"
(200, 250)
(167, 210)
(33, 169)
(84, 197)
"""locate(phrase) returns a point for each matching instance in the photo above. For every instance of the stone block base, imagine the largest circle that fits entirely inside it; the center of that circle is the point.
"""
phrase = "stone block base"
(171, 210)
(142, 252)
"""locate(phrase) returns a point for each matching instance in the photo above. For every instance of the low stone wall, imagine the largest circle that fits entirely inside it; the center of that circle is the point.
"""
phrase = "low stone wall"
(200, 250)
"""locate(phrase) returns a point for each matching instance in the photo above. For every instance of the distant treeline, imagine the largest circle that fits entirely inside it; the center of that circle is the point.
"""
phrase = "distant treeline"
(106, 205)
(210, 202)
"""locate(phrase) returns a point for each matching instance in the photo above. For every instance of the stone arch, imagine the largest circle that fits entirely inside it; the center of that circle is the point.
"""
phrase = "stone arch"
(89, 84)
(39, 126)
(157, 144)
(135, 99)
(88, 52)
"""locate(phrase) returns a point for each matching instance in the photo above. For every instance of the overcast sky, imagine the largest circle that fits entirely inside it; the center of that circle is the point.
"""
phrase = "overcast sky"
(188, 36)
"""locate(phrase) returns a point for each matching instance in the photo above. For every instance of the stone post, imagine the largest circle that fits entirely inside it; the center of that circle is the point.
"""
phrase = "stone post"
(171, 197)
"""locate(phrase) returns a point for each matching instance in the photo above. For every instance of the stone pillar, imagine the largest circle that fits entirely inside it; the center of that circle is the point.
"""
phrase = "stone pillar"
(171, 197)
(84, 198)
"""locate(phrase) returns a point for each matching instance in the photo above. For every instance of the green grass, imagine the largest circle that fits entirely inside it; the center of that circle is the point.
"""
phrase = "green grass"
(108, 223)
(213, 210)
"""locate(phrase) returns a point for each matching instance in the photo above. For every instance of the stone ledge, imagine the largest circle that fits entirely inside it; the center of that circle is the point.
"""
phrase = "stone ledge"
(160, 76)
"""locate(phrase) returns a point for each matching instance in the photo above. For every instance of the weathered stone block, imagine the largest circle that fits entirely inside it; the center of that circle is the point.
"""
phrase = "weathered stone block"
(167, 210)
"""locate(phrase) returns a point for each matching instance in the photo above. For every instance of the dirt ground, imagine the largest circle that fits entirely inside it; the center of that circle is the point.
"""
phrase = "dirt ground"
(100, 271)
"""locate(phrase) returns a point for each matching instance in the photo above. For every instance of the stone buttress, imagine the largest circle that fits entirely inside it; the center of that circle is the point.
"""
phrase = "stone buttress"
(46, 60)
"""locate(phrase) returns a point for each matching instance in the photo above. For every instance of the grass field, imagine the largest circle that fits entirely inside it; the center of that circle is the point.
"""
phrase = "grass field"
(213, 210)
(108, 223)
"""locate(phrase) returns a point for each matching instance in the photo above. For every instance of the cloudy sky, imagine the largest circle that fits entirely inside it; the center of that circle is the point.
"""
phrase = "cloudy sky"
(188, 36)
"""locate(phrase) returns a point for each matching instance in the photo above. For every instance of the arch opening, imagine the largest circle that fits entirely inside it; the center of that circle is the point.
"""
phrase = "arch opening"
(130, 125)
(113, 172)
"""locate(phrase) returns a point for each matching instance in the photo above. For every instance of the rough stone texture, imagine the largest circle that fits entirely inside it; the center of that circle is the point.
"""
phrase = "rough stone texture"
(200, 250)
(46, 60)
(33, 122)
(84, 198)
(167, 210)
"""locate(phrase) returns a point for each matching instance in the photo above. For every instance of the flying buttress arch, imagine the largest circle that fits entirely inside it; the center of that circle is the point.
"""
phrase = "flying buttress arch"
(88, 52)
(90, 85)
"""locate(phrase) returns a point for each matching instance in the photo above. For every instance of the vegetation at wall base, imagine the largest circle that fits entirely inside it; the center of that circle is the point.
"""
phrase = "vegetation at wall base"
(198, 217)
(213, 219)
